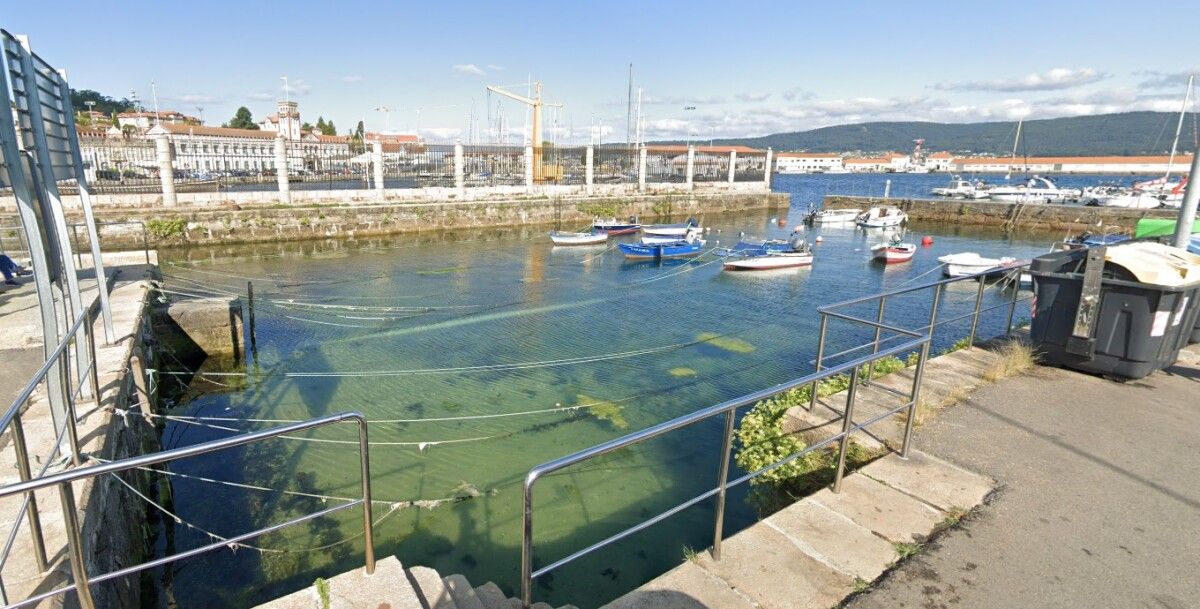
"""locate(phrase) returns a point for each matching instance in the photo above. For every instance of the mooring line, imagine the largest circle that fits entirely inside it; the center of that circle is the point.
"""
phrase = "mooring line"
(421, 446)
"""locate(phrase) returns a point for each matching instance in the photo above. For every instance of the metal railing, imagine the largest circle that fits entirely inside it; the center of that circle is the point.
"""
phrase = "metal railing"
(145, 233)
(918, 339)
(82, 581)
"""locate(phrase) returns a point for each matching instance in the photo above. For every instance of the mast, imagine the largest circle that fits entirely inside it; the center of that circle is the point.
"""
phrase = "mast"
(1178, 129)
(1013, 160)
(629, 106)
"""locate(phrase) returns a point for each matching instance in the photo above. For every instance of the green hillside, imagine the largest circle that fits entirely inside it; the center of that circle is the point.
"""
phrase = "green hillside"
(1127, 133)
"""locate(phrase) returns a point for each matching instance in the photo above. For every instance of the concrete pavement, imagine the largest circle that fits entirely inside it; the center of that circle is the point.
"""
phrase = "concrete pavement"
(1099, 503)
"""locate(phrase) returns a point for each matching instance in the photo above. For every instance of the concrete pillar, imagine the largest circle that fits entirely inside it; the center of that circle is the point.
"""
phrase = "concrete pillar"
(529, 167)
(377, 166)
(691, 167)
(767, 169)
(642, 168)
(166, 169)
(732, 165)
(281, 169)
(589, 176)
(460, 181)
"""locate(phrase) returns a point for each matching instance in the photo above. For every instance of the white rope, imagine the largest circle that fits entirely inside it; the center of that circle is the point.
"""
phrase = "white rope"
(295, 303)
(421, 446)
(328, 323)
(248, 277)
(688, 268)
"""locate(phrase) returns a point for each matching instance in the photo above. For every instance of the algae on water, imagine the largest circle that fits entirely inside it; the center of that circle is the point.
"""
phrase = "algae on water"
(728, 343)
(604, 410)
(682, 372)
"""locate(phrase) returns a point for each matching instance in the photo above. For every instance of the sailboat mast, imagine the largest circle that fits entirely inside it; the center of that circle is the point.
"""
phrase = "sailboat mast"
(1178, 129)
(1016, 140)
(629, 107)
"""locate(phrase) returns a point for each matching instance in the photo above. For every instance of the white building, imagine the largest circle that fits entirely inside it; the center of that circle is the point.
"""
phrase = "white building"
(145, 120)
(808, 162)
(286, 120)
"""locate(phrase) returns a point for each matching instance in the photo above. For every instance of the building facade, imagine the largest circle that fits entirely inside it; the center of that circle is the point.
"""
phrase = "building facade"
(808, 162)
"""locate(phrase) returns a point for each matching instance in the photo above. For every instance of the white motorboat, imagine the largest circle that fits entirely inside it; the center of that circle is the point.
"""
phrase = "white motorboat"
(568, 238)
(1036, 189)
(961, 189)
(894, 252)
(834, 216)
(770, 260)
(882, 217)
(971, 263)
(1149, 195)
(678, 231)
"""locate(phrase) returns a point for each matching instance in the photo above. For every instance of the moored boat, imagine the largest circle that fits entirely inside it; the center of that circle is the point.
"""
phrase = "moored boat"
(971, 263)
(961, 189)
(894, 252)
(672, 230)
(676, 249)
(1037, 189)
(653, 239)
(569, 238)
(882, 217)
(833, 216)
(769, 261)
(612, 226)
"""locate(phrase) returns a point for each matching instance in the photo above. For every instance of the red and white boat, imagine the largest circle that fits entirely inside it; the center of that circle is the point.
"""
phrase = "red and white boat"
(892, 253)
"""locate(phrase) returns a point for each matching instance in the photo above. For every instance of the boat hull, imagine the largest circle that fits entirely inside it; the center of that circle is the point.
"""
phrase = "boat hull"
(639, 251)
(770, 262)
(894, 255)
(578, 238)
(616, 229)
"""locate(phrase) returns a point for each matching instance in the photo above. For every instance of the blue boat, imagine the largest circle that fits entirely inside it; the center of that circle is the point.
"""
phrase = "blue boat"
(677, 249)
(756, 248)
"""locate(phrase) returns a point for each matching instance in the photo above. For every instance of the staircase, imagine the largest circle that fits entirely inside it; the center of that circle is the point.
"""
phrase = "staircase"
(393, 586)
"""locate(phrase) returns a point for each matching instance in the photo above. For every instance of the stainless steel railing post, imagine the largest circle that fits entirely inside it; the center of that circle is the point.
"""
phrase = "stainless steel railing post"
(847, 423)
(527, 544)
(1012, 307)
(75, 546)
(878, 330)
(95, 369)
(933, 312)
(72, 432)
(31, 508)
(812, 398)
(722, 484)
(915, 397)
(368, 521)
(978, 305)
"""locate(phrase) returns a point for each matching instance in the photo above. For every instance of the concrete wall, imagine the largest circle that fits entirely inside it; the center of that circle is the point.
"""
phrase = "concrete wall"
(1012, 216)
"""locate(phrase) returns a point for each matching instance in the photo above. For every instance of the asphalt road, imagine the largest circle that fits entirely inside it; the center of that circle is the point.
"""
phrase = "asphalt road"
(1098, 505)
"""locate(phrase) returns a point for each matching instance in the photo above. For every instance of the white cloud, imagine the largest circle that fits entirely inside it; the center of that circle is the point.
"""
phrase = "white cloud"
(1153, 79)
(796, 93)
(196, 98)
(752, 97)
(352, 78)
(1058, 78)
(494, 68)
(468, 68)
(260, 96)
(297, 85)
(441, 133)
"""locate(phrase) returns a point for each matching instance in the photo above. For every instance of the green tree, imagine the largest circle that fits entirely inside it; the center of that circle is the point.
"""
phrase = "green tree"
(104, 103)
(242, 120)
(358, 131)
(329, 129)
(321, 124)
(306, 126)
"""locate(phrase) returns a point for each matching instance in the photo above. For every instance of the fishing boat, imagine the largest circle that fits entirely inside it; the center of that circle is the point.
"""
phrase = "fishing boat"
(569, 238)
(672, 230)
(653, 239)
(675, 249)
(833, 216)
(612, 226)
(882, 217)
(796, 254)
(894, 251)
(971, 263)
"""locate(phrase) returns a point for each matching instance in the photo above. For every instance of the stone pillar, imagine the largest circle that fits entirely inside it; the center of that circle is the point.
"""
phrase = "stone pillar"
(589, 176)
(642, 168)
(732, 165)
(460, 181)
(281, 169)
(377, 166)
(767, 169)
(529, 167)
(166, 169)
(691, 167)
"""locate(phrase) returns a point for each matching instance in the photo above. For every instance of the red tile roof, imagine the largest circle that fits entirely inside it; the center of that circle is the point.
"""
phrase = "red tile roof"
(178, 129)
(810, 155)
(668, 149)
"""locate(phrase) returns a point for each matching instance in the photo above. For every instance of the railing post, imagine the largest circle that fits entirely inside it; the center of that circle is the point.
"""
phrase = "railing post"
(1012, 307)
(529, 168)
(916, 398)
(377, 170)
(252, 330)
(589, 175)
(642, 168)
(460, 174)
(31, 508)
(812, 398)
(690, 178)
(281, 169)
(722, 482)
(145, 242)
(847, 423)
(732, 166)
(368, 521)
(527, 545)
(937, 300)
(166, 169)
(75, 547)
(878, 330)
(94, 368)
(72, 432)
(767, 170)
(978, 306)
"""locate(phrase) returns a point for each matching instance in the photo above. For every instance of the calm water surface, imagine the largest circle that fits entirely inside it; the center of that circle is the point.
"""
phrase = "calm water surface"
(433, 335)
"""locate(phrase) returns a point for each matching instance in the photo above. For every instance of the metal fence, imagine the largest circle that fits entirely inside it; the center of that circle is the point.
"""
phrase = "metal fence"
(493, 165)
(615, 164)
(121, 165)
(562, 164)
(666, 166)
(418, 165)
(711, 167)
(750, 167)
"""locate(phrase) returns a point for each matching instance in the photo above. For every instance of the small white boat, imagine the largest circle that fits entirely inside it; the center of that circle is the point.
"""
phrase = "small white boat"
(769, 261)
(568, 238)
(970, 263)
(672, 230)
(961, 189)
(1035, 190)
(834, 216)
(894, 252)
(881, 217)
(656, 239)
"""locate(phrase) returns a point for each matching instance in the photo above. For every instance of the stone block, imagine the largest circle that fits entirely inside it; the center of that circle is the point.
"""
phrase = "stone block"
(763, 565)
(687, 586)
(834, 539)
(431, 588)
(463, 594)
(888, 512)
(932, 480)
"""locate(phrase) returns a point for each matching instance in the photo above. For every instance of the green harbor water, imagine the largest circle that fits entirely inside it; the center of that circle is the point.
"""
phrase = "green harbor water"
(477, 355)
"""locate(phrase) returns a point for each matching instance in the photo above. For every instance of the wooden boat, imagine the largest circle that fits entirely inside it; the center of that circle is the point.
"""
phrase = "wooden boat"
(970, 263)
(894, 252)
(675, 249)
(655, 239)
(878, 217)
(755, 247)
(672, 230)
(769, 261)
(612, 226)
(568, 238)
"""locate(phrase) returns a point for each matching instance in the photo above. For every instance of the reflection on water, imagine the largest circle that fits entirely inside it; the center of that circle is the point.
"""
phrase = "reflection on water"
(477, 355)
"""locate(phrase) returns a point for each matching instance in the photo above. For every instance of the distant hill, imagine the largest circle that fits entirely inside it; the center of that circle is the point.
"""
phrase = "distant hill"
(1126, 133)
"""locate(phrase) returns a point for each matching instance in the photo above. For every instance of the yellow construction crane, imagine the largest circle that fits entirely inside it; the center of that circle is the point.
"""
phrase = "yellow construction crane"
(535, 128)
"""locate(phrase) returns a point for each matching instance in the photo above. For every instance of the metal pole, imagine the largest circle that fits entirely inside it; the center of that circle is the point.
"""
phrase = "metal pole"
(812, 398)
(937, 300)
(368, 521)
(878, 330)
(91, 341)
(145, 241)
(75, 241)
(978, 305)
(1187, 209)
(72, 432)
(253, 337)
(527, 545)
(31, 509)
(75, 546)
(847, 423)
(722, 482)
(916, 398)
(1012, 307)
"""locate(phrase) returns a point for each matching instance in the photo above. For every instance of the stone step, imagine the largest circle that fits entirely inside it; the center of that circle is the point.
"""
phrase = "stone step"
(941, 484)
(493, 597)
(833, 539)
(430, 587)
(687, 586)
(891, 514)
(463, 594)
(388, 586)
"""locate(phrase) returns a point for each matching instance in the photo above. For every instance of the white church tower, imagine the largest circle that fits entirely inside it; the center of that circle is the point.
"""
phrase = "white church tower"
(286, 120)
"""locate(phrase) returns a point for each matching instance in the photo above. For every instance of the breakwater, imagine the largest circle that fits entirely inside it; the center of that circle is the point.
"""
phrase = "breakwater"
(1009, 216)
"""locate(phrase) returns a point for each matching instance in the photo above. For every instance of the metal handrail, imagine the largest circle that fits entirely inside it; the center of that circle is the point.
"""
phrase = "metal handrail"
(728, 408)
(82, 581)
(145, 232)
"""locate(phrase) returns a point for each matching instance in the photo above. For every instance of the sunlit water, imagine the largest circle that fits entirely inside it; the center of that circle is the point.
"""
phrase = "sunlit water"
(438, 332)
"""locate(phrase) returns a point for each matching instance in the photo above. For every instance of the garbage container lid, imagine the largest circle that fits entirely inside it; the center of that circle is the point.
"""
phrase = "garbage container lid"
(1156, 263)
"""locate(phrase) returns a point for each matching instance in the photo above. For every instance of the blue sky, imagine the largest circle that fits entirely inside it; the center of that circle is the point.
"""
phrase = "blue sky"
(748, 67)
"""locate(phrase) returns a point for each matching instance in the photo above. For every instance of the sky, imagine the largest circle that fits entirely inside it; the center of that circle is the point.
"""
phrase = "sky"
(705, 69)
